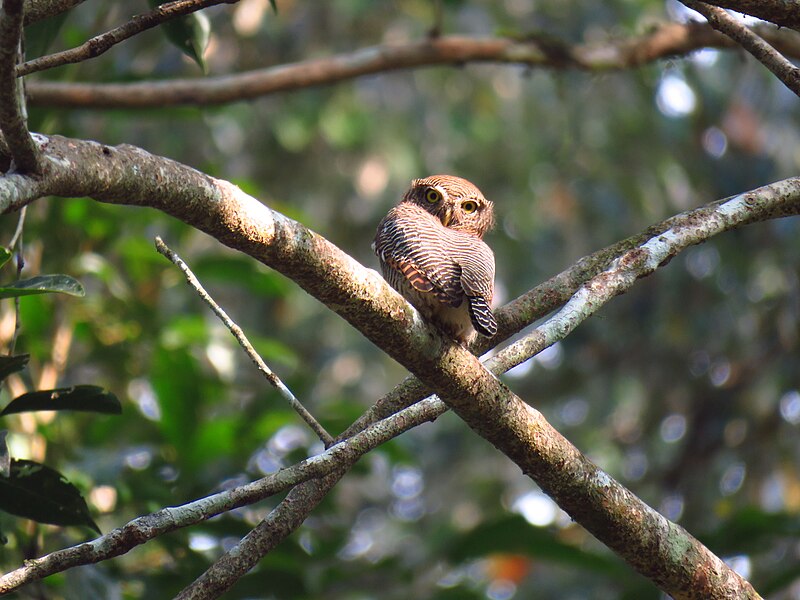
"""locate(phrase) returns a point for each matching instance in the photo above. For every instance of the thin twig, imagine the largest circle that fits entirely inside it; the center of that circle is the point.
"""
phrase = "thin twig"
(20, 227)
(778, 64)
(16, 242)
(237, 332)
(100, 44)
(26, 155)
(337, 458)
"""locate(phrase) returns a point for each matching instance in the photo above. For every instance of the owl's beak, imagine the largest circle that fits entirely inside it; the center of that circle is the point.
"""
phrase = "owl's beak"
(447, 216)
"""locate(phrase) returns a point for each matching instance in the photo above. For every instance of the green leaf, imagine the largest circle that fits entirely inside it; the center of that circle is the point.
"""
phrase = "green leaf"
(5, 255)
(189, 33)
(88, 398)
(37, 492)
(5, 457)
(274, 6)
(43, 284)
(12, 364)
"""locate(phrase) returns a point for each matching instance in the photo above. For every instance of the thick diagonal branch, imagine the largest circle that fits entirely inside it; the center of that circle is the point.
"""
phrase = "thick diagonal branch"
(589, 495)
(130, 176)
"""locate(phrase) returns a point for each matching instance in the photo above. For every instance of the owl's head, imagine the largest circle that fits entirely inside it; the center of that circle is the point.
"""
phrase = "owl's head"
(456, 202)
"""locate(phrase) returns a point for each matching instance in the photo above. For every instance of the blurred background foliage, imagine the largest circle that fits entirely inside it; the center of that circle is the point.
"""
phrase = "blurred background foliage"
(687, 389)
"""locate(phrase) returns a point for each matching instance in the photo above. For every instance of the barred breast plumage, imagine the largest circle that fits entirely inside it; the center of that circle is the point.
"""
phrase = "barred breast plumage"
(431, 251)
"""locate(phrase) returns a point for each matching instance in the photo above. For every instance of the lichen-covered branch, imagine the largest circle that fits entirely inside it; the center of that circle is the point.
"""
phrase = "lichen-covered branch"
(720, 20)
(128, 175)
(12, 117)
(662, 42)
(780, 12)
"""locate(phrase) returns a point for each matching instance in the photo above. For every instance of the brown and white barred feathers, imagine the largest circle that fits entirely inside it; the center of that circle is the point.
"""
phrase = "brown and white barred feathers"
(431, 251)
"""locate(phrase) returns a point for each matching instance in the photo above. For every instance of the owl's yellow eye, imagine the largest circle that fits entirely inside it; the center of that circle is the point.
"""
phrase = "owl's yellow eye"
(470, 206)
(433, 195)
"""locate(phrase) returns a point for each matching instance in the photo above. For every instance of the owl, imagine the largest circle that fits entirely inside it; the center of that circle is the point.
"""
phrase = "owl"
(431, 250)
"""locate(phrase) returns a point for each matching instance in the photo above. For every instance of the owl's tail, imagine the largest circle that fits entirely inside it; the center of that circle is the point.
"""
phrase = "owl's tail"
(481, 316)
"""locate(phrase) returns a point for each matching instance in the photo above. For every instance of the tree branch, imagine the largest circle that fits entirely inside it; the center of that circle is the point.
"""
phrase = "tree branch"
(607, 509)
(36, 10)
(102, 43)
(315, 476)
(512, 318)
(336, 459)
(761, 50)
(127, 175)
(664, 41)
(12, 121)
(282, 521)
(237, 332)
(780, 12)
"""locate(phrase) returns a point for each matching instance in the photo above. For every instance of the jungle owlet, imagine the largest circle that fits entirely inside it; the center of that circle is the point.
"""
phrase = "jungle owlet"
(431, 251)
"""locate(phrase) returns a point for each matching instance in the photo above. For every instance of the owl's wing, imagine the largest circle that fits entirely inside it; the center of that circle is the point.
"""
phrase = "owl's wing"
(477, 269)
(416, 249)
(477, 281)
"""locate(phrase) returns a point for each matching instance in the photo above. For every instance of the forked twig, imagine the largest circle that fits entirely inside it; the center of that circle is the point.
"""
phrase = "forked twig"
(237, 332)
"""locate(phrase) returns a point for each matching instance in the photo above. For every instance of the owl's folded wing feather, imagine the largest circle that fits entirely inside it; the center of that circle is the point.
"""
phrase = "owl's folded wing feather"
(417, 251)
(477, 281)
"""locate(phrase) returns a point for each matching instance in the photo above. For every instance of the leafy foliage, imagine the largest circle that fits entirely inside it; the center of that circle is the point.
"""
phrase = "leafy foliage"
(42, 284)
(190, 34)
(37, 492)
(685, 389)
(90, 398)
(28, 488)
(12, 364)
